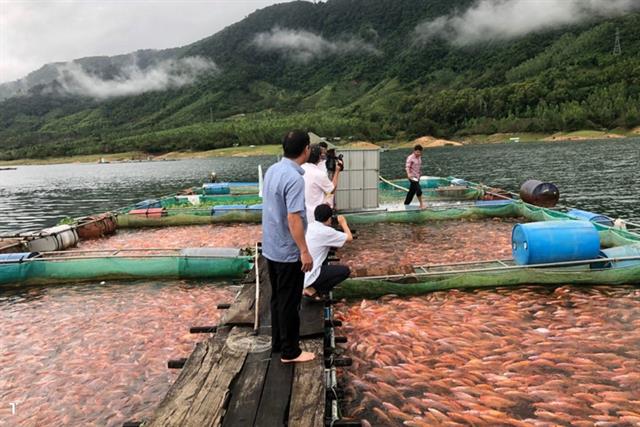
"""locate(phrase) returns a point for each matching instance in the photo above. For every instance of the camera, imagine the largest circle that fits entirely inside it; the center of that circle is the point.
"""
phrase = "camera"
(334, 161)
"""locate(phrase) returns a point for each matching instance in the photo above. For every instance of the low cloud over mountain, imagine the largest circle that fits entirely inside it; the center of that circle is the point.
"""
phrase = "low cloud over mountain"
(505, 19)
(304, 46)
(132, 80)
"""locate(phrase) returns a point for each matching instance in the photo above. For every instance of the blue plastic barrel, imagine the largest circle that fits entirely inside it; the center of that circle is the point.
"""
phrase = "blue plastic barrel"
(148, 204)
(590, 216)
(554, 241)
(216, 188)
(16, 257)
(493, 202)
(622, 251)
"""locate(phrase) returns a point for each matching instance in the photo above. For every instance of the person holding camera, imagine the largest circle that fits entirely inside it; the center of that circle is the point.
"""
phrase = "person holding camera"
(321, 237)
(413, 167)
(317, 185)
(323, 156)
(332, 161)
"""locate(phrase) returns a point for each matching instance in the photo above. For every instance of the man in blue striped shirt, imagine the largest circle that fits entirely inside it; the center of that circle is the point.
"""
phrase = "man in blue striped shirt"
(283, 245)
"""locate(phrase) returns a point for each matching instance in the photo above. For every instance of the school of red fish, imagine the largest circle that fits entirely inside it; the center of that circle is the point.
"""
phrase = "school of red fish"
(95, 354)
(532, 356)
(195, 236)
(395, 245)
(529, 356)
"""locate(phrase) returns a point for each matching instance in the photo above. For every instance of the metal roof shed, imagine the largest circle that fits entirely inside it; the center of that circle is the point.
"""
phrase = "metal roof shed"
(358, 184)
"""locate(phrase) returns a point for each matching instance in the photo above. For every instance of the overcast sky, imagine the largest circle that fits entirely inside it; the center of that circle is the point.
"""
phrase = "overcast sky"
(36, 32)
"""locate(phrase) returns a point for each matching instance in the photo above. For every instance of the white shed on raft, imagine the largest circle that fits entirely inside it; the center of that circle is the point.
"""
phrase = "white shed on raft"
(358, 184)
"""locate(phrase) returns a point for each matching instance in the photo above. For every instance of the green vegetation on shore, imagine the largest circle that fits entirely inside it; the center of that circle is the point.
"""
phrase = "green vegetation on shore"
(88, 158)
(276, 149)
(558, 81)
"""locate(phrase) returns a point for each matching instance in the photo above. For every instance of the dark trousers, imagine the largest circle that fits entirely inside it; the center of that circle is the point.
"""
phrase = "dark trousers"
(287, 280)
(414, 190)
(330, 275)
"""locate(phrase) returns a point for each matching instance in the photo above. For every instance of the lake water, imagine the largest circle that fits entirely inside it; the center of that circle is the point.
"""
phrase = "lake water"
(106, 362)
(602, 176)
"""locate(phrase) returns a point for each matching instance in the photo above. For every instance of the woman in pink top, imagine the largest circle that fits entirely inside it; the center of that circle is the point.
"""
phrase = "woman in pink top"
(413, 168)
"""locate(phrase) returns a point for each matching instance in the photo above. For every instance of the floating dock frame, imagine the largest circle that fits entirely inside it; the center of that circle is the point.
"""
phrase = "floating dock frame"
(233, 379)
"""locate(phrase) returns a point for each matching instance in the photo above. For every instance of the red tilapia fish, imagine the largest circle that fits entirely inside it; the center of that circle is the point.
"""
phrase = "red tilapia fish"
(531, 356)
(194, 236)
(394, 246)
(97, 354)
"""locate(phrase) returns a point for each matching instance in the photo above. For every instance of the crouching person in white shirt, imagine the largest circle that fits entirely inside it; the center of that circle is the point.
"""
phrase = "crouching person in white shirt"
(321, 237)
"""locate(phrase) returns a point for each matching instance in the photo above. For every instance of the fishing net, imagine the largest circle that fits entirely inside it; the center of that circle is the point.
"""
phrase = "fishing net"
(610, 237)
(118, 268)
(432, 189)
(248, 189)
(227, 199)
(445, 212)
(178, 219)
(467, 210)
(203, 201)
(376, 288)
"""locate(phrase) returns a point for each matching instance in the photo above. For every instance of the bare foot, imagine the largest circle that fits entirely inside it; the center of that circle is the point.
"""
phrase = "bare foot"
(305, 356)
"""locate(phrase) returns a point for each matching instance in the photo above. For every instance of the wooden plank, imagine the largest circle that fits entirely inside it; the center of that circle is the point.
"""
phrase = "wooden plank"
(311, 319)
(188, 374)
(240, 312)
(198, 397)
(264, 314)
(246, 391)
(274, 402)
(307, 405)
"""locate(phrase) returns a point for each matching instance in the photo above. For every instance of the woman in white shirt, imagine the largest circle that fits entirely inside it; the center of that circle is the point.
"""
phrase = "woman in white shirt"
(321, 237)
(317, 185)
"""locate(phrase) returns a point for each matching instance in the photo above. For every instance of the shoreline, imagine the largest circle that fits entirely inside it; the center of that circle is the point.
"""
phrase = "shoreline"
(275, 149)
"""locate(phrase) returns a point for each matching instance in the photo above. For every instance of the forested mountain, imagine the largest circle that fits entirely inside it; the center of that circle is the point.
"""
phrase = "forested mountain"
(357, 68)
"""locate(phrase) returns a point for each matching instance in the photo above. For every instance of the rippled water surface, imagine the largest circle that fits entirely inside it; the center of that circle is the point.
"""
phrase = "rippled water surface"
(33, 197)
(594, 175)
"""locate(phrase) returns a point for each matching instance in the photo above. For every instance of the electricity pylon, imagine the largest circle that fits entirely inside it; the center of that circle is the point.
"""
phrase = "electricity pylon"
(617, 49)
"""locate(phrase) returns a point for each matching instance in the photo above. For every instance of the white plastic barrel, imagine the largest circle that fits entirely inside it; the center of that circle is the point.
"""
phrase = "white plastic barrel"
(54, 239)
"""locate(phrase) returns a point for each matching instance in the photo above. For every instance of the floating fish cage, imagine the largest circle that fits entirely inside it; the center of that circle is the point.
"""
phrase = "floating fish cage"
(574, 247)
(358, 198)
(127, 264)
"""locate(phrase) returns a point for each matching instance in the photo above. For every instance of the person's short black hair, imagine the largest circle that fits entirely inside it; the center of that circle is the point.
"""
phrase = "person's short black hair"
(323, 144)
(322, 212)
(316, 152)
(294, 143)
(417, 147)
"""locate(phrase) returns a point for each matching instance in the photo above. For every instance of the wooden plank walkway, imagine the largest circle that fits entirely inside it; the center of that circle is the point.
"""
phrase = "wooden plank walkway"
(233, 379)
